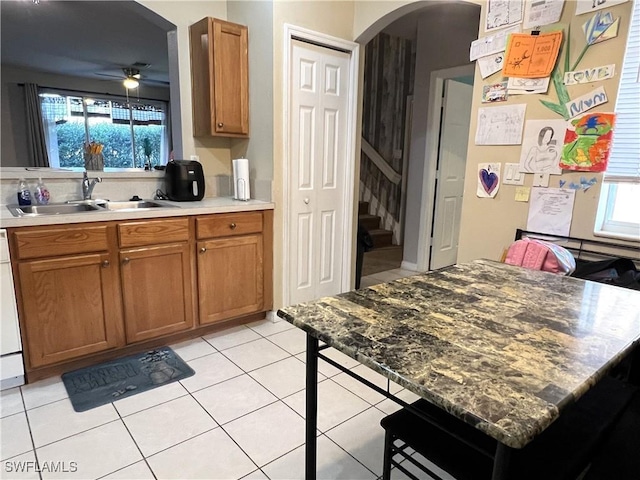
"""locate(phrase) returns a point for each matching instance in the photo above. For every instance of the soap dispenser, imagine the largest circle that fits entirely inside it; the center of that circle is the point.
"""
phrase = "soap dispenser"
(24, 194)
(42, 194)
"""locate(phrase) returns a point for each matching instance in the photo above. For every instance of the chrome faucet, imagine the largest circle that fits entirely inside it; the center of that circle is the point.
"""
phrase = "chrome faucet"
(87, 185)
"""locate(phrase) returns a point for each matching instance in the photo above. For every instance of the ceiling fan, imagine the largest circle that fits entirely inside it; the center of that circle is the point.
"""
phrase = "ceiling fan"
(131, 76)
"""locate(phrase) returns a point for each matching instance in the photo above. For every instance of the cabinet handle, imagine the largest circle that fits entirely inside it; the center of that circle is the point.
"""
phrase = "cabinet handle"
(125, 260)
(105, 264)
(233, 226)
(220, 124)
(203, 249)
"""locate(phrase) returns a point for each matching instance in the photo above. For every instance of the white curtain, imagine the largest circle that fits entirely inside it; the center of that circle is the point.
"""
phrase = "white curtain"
(35, 127)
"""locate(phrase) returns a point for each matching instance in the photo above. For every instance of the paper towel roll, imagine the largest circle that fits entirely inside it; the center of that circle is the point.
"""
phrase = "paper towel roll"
(241, 190)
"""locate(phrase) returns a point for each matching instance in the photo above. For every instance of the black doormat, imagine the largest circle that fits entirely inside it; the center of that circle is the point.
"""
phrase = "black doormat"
(107, 382)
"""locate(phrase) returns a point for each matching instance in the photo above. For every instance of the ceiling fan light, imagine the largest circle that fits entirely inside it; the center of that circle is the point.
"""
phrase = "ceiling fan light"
(130, 83)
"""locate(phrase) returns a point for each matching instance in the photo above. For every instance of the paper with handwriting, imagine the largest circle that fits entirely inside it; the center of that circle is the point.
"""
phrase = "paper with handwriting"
(542, 12)
(502, 13)
(551, 211)
(491, 44)
(490, 64)
(587, 6)
(500, 125)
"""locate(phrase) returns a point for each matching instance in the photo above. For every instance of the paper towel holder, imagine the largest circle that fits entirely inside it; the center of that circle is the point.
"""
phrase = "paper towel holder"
(241, 187)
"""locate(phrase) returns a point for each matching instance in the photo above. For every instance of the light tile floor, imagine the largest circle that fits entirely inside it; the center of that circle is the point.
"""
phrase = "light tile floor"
(241, 416)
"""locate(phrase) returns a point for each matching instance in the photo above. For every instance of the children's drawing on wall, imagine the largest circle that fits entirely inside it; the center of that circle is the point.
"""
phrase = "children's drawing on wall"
(587, 142)
(601, 27)
(501, 13)
(542, 12)
(541, 146)
(586, 6)
(488, 179)
(500, 125)
(586, 102)
(496, 92)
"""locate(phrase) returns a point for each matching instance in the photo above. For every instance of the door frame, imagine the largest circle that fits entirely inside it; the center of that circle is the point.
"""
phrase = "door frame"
(434, 112)
(293, 32)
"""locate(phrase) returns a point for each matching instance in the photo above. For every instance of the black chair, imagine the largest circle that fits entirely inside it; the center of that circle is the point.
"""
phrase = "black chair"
(562, 452)
(619, 457)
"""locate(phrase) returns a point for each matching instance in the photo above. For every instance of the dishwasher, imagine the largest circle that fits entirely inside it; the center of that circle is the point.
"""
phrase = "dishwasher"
(11, 366)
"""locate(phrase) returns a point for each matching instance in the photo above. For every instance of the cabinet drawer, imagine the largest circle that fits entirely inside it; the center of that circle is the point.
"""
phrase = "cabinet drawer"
(227, 224)
(58, 241)
(153, 232)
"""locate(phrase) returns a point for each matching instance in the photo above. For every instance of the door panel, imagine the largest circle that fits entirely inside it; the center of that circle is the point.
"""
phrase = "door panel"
(452, 158)
(156, 311)
(73, 308)
(230, 277)
(318, 168)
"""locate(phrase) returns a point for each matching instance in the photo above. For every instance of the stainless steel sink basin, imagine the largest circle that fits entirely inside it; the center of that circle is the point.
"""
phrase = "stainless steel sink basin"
(133, 205)
(51, 209)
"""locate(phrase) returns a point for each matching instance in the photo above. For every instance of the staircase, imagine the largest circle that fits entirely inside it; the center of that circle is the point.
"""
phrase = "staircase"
(381, 238)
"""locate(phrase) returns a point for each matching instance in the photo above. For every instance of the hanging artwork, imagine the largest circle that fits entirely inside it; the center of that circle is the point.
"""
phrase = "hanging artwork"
(541, 146)
(587, 142)
(531, 56)
(488, 179)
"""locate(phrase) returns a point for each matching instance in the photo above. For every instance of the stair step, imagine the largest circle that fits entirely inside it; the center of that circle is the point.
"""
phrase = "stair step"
(370, 222)
(363, 208)
(381, 238)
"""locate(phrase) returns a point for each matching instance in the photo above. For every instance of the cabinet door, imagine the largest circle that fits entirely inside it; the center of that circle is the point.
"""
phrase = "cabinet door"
(71, 308)
(156, 288)
(230, 277)
(230, 87)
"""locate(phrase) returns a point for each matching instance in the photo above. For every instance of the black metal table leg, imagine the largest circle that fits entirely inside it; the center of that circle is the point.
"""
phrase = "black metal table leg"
(311, 414)
(501, 461)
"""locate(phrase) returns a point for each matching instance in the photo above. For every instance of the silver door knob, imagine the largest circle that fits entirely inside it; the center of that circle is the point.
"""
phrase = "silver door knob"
(306, 201)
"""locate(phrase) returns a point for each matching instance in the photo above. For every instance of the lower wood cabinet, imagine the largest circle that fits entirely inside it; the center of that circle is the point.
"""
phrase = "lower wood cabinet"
(230, 277)
(156, 288)
(85, 289)
(71, 307)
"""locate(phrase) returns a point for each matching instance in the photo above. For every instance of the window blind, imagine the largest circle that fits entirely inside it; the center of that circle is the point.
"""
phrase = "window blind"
(624, 161)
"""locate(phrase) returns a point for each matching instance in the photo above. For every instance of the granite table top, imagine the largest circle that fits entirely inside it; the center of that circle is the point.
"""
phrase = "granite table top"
(504, 348)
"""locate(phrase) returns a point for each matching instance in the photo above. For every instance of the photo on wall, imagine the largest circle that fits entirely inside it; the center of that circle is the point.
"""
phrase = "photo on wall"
(542, 146)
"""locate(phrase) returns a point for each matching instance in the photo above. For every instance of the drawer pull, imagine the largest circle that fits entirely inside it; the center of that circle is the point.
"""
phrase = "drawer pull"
(220, 125)
(125, 260)
(105, 264)
(233, 226)
(202, 250)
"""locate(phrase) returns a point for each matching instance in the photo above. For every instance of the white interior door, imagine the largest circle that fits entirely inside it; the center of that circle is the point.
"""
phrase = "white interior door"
(452, 158)
(318, 109)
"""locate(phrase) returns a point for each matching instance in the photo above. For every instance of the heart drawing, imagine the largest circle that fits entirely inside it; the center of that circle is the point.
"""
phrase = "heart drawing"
(489, 180)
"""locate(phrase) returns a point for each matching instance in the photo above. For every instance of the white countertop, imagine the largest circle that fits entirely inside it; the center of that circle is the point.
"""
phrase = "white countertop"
(205, 206)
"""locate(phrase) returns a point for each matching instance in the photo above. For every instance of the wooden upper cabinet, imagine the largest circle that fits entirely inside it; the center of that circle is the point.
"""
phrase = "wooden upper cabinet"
(219, 78)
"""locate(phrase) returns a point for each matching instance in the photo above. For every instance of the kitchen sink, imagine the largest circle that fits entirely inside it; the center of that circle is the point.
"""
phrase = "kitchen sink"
(133, 205)
(83, 206)
(52, 209)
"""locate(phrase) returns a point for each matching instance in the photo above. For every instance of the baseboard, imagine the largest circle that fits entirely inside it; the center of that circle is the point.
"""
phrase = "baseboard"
(409, 266)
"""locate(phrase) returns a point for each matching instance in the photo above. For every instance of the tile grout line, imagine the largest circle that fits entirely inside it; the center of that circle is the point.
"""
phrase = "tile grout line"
(33, 443)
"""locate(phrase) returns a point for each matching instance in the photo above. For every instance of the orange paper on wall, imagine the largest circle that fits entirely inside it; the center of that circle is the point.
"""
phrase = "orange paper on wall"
(531, 56)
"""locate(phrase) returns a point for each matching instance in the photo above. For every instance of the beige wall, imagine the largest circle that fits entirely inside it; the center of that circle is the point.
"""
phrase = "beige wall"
(332, 18)
(488, 225)
(214, 153)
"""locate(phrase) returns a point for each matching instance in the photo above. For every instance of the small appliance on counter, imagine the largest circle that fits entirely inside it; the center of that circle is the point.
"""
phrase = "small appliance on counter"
(184, 180)
(241, 190)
